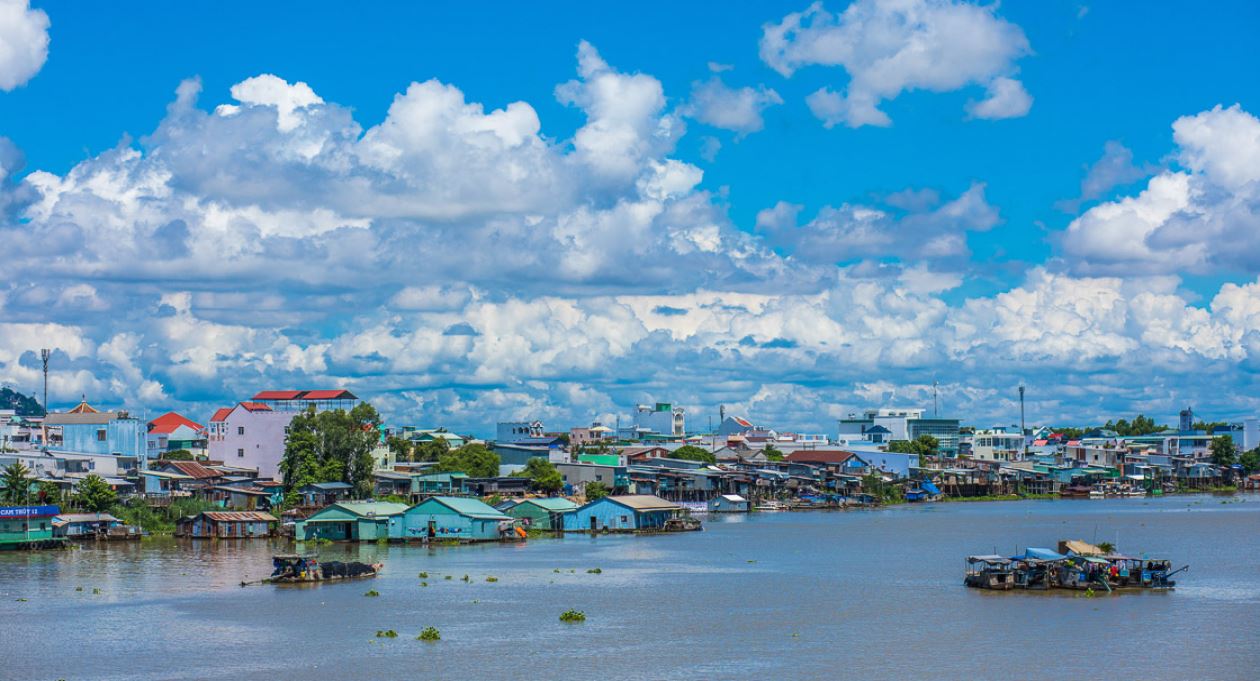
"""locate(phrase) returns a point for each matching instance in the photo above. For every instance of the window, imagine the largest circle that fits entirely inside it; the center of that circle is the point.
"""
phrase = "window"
(100, 435)
(240, 430)
(240, 453)
(599, 478)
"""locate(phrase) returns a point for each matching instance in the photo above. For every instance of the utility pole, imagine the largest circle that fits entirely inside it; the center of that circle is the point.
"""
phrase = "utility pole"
(936, 412)
(1022, 436)
(44, 354)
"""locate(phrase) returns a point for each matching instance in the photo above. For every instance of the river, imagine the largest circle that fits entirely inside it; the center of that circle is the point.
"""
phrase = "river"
(814, 595)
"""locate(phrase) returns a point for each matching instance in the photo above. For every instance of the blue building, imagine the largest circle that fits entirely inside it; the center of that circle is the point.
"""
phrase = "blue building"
(628, 513)
(86, 430)
(458, 518)
(892, 462)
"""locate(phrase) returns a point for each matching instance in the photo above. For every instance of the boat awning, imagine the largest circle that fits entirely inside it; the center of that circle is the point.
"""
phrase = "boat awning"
(1043, 554)
(1001, 560)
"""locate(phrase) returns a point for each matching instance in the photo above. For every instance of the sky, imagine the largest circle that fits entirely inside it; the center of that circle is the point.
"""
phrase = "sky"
(473, 213)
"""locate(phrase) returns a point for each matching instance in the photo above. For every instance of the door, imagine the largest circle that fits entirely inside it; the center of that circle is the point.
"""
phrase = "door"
(432, 531)
(594, 524)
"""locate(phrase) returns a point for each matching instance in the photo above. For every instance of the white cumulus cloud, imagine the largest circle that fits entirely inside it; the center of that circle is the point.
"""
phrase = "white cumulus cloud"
(23, 42)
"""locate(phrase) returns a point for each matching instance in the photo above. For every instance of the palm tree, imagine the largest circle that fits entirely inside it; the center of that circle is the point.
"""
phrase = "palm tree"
(17, 483)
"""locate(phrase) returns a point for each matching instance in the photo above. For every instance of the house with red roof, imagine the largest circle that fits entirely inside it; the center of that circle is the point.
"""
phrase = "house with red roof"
(252, 433)
(172, 431)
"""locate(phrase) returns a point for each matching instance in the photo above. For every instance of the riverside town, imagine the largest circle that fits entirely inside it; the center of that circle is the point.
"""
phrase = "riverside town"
(320, 466)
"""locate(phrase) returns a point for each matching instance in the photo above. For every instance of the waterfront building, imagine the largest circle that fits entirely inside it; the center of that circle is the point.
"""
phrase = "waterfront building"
(547, 514)
(662, 418)
(902, 424)
(625, 513)
(895, 463)
(27, 526)
(91, 525)
(458, 518)
(87, 430)
(250, 435)
(227, 525)
(729, 503)
(172, 431)
(352, 521)
(196, 476)
(997, 444)
(514, 455)
(165, 483)
(484, 487)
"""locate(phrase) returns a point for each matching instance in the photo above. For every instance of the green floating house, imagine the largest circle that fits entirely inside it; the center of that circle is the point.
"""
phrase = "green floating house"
(458, 518)
(353, 521)
(28, 527)
(547, 514)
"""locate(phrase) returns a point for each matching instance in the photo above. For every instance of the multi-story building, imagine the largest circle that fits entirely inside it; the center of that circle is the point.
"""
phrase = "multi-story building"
(87, 430)
(595, 434)
(509, 432)
(901, 424)
(997, 444)
(252, 434)
(662, 418)
(172, 431)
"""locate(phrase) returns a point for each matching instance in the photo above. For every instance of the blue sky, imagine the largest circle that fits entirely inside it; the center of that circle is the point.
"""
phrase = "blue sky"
(833, 201)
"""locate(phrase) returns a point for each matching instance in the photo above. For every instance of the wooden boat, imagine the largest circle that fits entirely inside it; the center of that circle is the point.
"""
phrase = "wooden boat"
(989, 572)
(295, 568)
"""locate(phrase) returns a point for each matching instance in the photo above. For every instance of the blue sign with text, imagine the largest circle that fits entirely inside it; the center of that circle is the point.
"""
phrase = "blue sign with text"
(28, 511)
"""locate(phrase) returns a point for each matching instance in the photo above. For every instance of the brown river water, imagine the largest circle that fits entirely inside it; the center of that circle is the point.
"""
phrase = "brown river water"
(814, 595)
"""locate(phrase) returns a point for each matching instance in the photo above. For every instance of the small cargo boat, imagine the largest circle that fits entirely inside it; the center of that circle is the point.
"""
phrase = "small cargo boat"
(296, 568)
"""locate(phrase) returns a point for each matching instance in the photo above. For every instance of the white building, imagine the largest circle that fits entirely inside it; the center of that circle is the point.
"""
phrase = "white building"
(518, 431)
(997, 445)
(249, 435)
(662, 418)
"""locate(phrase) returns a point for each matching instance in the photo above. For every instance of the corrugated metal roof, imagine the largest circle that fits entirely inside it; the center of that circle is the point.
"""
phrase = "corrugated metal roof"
(644, 502)
(371, 508)
(239, 516)
(255, 406)
(553, 504)
(328, 395)
(84, 518)
(220, 415)
(97, 418)
(191, 468)
(473, 508)
(168, 422)
(277, 395)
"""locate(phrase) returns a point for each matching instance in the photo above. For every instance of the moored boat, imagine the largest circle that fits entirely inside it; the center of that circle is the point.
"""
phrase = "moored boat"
(296, 568)
(989, 572)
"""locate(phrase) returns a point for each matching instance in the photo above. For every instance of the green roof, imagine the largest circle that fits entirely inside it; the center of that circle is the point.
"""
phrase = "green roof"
(372, 508)
(552, 504)
(601, 459)
(473, 508)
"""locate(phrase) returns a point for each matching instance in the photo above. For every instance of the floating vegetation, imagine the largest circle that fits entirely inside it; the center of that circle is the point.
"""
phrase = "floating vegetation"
(78, 588)
(424, 575)
(466, 579)
(21, 600)
(492, 579)
(572, 571)
(429, 634)
(373, 593)
(594, 571)
(96, 591)
(449, 577)
(424, 583)
(386, 633)
(557, 571)
(750, 561)
(572, 616)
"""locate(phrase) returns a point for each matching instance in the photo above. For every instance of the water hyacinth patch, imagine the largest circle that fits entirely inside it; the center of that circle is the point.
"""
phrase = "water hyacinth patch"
(386, 633)
(572, 616)
(594, 571)
(492, 579)
(373, 593)
(424, 575)
(429, 634)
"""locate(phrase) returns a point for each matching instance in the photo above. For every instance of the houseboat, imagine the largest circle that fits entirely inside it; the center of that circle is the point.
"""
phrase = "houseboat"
(989, 572)
(1076, 566)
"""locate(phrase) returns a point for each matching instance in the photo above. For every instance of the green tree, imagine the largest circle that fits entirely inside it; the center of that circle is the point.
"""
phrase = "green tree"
(332, 445)
(400, 447)
(433, 450)
(476, 460)
(17, 480)
(177, 455)
(772, 453)
(48, 493)
(693, 453)
(94, 495)
(1223, 451)
(542, 474)
(1250, 461)
(596, 490)
(924, 445)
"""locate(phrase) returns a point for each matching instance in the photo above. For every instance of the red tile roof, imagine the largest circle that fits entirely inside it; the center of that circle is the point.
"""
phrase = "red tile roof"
(328, 395)
(255, 406)
(278, 395)
(168, 422)
(221, 415)
(819, 456)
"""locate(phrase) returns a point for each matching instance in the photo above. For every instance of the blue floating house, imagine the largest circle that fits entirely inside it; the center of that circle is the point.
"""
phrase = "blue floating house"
(626, 513)
(457, 518)
(729, 503)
